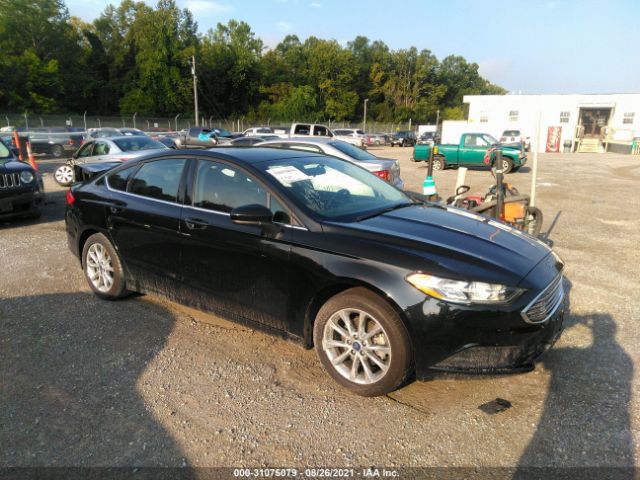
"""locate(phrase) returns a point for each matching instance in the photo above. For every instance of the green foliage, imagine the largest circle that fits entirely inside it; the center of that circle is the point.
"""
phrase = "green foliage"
(137, 58)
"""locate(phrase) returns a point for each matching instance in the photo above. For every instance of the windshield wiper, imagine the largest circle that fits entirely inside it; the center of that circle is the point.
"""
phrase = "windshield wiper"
(387, 210)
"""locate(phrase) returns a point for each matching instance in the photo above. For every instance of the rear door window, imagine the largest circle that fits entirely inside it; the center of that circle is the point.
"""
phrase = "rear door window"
(118, 181)
(159, 179)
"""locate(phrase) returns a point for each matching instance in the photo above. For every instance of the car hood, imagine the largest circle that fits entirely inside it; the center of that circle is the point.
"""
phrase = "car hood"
(510, 146)
(14, 166)
(452, 242)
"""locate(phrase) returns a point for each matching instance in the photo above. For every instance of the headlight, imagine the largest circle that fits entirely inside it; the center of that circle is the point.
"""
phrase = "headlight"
(26, 177)
(456, 291)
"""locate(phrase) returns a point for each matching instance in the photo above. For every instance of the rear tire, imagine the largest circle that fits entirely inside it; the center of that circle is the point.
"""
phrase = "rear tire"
(362, 343)
(103, 268)
(57, 151)
(438, 163)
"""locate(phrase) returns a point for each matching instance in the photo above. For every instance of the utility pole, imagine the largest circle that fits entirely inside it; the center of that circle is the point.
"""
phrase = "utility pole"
(437, 118)
(195, 86)
(364, 126)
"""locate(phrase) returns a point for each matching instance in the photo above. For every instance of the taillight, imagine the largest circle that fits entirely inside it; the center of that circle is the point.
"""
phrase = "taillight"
(70, 198)
(123, 159)
(383, 174)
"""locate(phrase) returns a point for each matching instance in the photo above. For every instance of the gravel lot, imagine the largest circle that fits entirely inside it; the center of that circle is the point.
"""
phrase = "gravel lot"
(147, 382)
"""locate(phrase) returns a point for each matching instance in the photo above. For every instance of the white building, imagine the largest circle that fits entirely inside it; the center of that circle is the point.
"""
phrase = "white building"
(588, 122)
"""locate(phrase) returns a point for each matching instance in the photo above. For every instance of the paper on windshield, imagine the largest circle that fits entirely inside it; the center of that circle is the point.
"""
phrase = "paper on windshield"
(287, 175)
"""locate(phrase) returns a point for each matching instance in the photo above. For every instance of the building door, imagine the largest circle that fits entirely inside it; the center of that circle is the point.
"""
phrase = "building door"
(593, 120)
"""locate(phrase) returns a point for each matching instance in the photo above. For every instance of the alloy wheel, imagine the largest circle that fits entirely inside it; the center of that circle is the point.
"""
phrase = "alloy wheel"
(99, 267)
(64, 175)
(357, 346)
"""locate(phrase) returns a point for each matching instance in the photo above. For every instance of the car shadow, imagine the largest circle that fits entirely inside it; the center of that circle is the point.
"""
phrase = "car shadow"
(70, 369)
(586, 420)
(52, 210)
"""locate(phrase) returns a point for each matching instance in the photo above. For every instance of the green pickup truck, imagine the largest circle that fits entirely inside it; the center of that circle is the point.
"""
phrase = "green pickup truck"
(471, 152)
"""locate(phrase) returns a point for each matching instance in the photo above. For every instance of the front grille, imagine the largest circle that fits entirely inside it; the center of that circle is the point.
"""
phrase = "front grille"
(545, 305)
(9, 180)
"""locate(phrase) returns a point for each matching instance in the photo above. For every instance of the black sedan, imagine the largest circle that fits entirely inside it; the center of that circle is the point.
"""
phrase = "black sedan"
(319, 250)
(21, 189)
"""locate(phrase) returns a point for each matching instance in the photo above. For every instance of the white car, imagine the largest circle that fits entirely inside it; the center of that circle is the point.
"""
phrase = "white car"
(111, 149)
(250, 132)
(516, 136)
(354, 136)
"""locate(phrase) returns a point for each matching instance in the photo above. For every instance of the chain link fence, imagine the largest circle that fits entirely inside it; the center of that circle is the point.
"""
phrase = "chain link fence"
(28, 121)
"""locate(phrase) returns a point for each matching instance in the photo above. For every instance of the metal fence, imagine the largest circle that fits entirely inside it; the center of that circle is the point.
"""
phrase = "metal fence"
(178, 122)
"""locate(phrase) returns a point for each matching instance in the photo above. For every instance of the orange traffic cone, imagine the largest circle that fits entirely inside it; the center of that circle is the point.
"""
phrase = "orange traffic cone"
(32, 161)
(16, 140)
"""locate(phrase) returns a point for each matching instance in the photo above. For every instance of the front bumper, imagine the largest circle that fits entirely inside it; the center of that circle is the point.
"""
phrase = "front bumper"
(483, 338)
(21, 204)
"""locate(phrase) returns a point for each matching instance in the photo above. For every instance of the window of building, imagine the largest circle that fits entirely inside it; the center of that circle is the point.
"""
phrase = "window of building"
(484, 116)
(564, 117)
(628, 118)
(513, 116)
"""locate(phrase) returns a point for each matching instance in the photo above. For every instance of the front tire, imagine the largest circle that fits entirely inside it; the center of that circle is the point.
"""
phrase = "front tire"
(507, 165)
(102, 268)
(362, 343)
(64, 175)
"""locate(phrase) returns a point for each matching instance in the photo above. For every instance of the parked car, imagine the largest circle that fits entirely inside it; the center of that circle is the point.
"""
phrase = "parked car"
(106, 149)
(252, 140)
(386, 168)
(103, 132)
(249, 132)
(516, 136)
(355, 136)
(376, 139)
(204, 137)
(381, 285)
(474, 150)
(428, 138)
(54, 141)
(21, 188)
(405, 138)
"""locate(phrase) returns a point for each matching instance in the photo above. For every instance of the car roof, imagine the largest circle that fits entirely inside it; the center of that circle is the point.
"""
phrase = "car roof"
(253, 155)
(309, 140)
(123, 137)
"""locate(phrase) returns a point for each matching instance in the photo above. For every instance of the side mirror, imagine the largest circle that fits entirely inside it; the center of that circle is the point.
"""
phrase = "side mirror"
(253, 214)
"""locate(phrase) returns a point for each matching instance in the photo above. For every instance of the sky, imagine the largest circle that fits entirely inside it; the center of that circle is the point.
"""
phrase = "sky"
(525, 46)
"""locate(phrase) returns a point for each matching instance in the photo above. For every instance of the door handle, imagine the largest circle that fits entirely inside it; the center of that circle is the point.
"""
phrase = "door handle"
(195, 224)
(117, 207)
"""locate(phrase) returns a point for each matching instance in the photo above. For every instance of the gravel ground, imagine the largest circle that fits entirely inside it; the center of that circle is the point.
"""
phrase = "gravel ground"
(147, 382)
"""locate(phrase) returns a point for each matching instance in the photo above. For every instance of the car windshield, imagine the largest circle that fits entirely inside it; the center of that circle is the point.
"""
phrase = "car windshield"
(335, 189)
(136, 143)
(490, 139)
(5, 153)
(352, 151)
(511, 133)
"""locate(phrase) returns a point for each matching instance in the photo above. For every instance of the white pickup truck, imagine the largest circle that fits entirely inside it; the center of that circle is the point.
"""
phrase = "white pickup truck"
(315, 130)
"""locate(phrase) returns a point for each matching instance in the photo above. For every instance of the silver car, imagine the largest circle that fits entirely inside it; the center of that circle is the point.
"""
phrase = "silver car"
(112, 149)
(386, 168)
